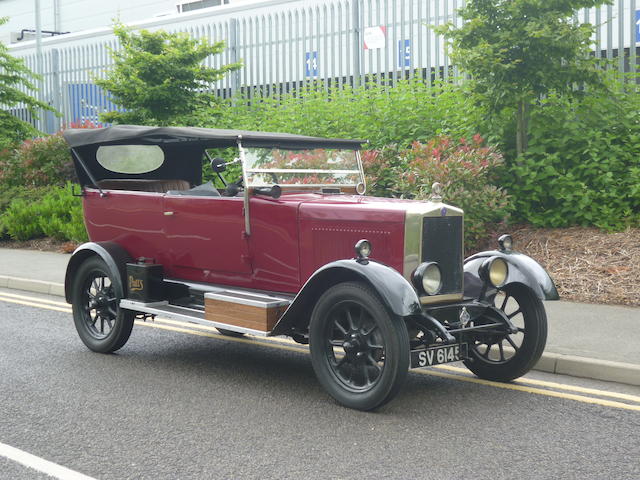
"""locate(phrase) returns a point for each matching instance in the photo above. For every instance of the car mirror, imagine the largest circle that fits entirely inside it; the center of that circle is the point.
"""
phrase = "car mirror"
(218, 165)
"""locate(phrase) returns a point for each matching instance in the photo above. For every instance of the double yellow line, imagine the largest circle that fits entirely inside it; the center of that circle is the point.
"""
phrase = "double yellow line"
(526, 385)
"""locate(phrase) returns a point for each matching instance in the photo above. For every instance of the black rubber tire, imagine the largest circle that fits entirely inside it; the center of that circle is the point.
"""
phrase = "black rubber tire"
(122, 320)
(531, 347)
(229, 333)
(391, 331)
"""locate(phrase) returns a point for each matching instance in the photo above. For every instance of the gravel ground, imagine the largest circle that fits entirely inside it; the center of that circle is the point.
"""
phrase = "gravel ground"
(587, 264)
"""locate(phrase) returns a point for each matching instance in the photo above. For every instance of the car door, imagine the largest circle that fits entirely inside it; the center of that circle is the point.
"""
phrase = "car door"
(206, 239)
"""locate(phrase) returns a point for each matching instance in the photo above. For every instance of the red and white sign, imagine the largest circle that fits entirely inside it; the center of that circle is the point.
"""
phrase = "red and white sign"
(375, 37)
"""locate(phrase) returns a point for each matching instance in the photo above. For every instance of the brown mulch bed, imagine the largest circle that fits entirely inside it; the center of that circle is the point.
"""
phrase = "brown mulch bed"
(587, 264)
(42, 244)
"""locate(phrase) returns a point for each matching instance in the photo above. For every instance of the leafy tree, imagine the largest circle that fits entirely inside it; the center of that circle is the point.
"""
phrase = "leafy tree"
(159, 77)
(518, 50)
(14, 74)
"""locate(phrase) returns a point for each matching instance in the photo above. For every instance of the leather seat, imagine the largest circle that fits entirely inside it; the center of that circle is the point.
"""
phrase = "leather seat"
(143, 185)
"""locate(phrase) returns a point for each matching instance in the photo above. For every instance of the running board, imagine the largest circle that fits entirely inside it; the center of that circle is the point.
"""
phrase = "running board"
(165, 309)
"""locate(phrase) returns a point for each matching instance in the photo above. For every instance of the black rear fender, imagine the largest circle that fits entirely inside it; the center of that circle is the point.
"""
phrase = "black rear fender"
(396, 294)
(113, 255)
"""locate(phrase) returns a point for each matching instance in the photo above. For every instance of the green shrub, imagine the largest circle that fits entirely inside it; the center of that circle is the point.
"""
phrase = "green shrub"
(466, 170)
(412, 110)
(57, 214)
(43, 161)
(9, 193)
(582, 166)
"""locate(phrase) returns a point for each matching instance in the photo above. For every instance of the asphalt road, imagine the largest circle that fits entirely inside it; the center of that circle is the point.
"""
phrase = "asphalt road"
(189, 404)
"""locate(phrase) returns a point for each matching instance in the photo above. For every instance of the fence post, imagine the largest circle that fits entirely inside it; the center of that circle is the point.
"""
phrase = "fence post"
(357, 44)
(56, 94)
(233, 55)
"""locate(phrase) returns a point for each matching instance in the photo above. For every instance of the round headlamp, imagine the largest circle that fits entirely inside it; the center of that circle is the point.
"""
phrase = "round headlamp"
(495, 271)
(428, 278)
(363, 248)
(505, 242)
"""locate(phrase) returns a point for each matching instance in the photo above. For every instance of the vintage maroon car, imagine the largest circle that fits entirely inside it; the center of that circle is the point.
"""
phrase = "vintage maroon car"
(272, 253)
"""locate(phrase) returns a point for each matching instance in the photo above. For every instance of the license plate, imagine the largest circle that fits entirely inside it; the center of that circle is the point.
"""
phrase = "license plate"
(437, 355)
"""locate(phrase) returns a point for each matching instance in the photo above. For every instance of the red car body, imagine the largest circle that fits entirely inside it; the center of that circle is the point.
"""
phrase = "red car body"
(202, 239)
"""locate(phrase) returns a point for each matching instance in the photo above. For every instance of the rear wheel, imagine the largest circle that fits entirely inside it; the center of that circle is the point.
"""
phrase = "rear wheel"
(359, 353)
(503, 357)
(101, 324)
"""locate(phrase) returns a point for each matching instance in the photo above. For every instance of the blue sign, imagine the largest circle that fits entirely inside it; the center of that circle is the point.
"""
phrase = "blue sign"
(637, 26)
(404, 53)
(87, 101)
(311, 64)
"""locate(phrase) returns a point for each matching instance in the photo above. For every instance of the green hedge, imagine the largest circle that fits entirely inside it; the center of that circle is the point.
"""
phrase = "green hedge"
(410, 111)
(57, 214)
(583, 163)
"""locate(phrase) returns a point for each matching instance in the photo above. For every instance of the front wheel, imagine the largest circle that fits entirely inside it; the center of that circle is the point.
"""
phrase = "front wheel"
(504, 357)
(359, 353)
(101, 324)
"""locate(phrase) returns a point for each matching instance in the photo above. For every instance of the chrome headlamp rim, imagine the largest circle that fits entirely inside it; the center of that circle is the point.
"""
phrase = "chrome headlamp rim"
(495, 271)
(425, 273)
(505, 242)
(363, 248)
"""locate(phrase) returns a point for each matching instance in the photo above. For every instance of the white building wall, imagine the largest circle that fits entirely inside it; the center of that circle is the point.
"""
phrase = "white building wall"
(78, 15)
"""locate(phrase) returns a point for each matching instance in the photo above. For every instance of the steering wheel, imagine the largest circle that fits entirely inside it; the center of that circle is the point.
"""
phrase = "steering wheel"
(233, 188)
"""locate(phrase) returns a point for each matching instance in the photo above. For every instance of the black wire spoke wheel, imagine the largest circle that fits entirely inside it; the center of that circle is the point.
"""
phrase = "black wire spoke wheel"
(359, 352)
(354, 346)
(100, 304)
(101, 324)
(504, 356)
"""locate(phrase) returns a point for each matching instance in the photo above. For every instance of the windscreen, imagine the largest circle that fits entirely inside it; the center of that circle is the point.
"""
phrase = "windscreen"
(318, 167)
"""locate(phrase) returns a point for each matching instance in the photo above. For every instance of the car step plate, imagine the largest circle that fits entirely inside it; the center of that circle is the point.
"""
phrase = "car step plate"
(438, 355)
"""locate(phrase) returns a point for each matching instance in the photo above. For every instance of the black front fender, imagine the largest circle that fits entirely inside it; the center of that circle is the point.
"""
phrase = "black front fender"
(113, 255)
(396, 293)
(522, 269)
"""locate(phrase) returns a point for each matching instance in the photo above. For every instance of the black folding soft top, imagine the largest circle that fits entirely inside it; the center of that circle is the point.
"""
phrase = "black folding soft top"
(212, 138)
(183, 148)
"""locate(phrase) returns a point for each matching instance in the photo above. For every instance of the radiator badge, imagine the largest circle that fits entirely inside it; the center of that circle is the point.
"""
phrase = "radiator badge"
(464, 317)
(135, 284)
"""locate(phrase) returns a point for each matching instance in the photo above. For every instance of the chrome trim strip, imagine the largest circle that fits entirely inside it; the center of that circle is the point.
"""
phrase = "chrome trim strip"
(245, 181)
(451, 297)
(362, 175)
(185, 314)
(215, 288)
(307, 185)
(413, 231)
(241, 299)
(297, 170)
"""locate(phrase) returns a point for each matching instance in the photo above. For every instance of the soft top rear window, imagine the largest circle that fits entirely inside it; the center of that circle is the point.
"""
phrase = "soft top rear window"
(130, 158)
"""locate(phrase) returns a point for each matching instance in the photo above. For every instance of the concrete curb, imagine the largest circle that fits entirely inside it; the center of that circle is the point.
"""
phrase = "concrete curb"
(593, 368)
(558, 363)
(36, 286)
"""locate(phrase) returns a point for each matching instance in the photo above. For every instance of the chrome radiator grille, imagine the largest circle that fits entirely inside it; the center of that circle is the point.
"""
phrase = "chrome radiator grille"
(442, 243)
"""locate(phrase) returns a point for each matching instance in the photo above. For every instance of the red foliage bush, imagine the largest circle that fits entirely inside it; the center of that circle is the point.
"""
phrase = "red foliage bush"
(466, 169)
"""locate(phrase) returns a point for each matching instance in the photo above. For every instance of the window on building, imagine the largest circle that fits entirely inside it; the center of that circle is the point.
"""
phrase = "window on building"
(198, 4)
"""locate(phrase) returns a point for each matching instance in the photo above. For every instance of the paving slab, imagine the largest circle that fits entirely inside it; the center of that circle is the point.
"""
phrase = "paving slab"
(609, 332)
(33, 264)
